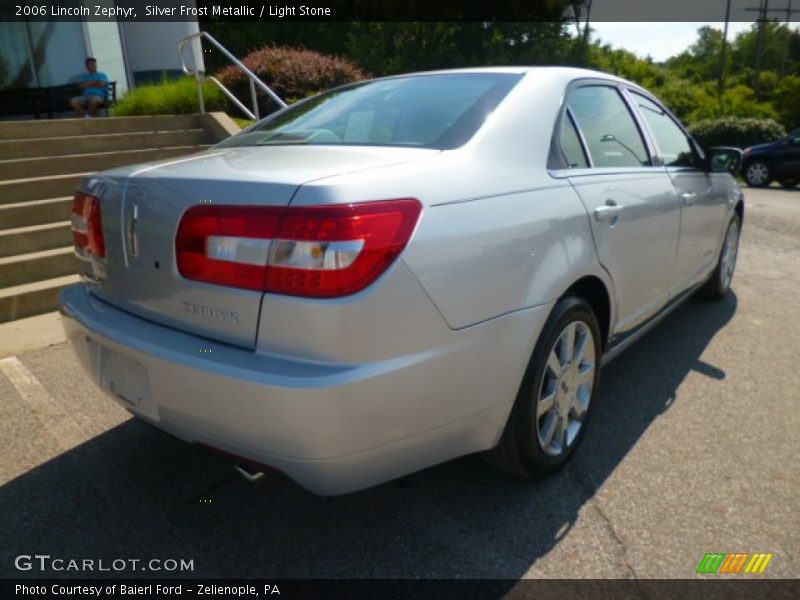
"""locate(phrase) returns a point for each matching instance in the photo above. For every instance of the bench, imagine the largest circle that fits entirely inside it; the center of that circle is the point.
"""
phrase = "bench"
(48, 100)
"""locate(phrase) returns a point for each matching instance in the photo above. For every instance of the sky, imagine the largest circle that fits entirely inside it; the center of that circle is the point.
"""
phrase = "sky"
(660, 40)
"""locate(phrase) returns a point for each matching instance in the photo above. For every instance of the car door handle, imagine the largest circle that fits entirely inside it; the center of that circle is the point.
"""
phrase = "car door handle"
(688, 198)
(607, 212)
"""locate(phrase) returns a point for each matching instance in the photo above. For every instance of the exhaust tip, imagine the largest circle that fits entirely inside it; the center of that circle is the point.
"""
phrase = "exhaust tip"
(248, 473)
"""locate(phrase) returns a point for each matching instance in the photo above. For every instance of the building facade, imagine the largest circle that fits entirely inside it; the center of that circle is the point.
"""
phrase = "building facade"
(47, 53)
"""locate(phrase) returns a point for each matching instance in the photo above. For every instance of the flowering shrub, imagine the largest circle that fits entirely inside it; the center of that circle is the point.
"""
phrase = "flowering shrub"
(292, 73)
(736, 131)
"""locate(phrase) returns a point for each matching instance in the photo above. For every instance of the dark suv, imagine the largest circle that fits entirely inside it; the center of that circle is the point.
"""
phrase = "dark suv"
(779, 161)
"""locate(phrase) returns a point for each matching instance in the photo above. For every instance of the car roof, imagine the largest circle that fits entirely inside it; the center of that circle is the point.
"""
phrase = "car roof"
(574, 72)
(566, 73)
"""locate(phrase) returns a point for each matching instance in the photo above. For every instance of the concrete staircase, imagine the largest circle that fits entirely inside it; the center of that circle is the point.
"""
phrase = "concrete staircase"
(41, 165)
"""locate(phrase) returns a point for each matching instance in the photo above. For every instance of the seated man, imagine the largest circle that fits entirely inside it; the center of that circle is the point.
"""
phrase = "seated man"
(94, 85)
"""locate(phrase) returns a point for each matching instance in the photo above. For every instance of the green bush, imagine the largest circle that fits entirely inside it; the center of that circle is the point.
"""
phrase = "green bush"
(292, 73)
(736, 131)
(787, 101)
(170, 97)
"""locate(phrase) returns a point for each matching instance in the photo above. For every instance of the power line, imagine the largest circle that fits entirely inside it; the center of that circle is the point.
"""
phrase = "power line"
(763, 11)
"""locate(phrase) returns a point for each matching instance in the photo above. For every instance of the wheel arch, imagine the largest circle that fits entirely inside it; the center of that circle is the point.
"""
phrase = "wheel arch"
(739, 210)
(757, 158)
(592, 289)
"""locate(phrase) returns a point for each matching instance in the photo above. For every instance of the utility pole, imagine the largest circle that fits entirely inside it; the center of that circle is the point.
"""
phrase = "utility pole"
(578, 6)
(762, 19)
(723, 57)
(787, 37)
(586, 29)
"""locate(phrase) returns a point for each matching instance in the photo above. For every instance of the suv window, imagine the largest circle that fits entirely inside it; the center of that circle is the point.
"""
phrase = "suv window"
(673, 144)
(571, 146)
(611, 134)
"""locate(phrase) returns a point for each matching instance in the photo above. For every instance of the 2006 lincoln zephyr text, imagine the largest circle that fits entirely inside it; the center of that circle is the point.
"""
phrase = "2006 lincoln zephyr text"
(400, 271)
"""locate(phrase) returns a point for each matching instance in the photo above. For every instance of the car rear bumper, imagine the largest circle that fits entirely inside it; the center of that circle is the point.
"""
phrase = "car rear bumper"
(333, 428)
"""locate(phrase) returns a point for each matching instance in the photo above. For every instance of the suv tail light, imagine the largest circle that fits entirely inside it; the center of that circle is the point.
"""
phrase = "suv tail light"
(87, 226)
(315, 251)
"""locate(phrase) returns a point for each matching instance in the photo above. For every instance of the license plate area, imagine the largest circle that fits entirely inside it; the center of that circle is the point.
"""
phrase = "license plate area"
(124, 378)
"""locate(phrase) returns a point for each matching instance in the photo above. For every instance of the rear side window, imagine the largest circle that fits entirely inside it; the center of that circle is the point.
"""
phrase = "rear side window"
(611, 134)
(673, 145)
(571, 147)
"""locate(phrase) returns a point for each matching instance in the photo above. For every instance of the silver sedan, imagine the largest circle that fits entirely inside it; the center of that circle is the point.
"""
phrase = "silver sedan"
(398, 272)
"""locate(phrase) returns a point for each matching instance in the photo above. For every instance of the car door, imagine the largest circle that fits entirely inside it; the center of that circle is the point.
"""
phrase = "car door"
(703, 198)
(632, 206)
(787, 167)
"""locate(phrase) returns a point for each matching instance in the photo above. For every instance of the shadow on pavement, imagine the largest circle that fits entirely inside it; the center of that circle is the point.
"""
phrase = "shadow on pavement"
(135, 492)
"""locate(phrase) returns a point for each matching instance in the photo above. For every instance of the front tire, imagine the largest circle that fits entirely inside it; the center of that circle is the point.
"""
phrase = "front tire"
(557, 395)
(758, 174)
(719, 284)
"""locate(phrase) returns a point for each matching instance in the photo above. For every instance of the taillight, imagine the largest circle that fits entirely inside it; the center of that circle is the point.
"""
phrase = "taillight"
(316, 251)
(87, 226)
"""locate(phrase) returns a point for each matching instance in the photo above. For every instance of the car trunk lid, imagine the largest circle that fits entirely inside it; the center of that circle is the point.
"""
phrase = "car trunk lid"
(141, 209)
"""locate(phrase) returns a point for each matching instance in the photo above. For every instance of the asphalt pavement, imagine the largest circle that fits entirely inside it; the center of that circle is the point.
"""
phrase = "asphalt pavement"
(694, 448)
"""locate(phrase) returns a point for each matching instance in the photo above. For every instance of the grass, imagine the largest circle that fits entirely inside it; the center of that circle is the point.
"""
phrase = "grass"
(170, 97)
(242, 123)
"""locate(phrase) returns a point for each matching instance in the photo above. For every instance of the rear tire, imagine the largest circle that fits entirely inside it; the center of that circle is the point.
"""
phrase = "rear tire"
(719, 284)
(557, 395)
(758, 174)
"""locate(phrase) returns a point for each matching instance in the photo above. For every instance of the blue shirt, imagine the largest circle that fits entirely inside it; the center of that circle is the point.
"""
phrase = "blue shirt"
(95, 91)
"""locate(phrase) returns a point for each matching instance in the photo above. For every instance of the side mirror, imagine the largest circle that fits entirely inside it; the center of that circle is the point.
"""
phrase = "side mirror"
(723, 158)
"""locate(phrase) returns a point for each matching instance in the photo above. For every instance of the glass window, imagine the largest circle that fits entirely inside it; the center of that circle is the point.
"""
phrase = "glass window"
(426, 111)
(673, 144)
(16, 63)
(611, 134)
(571, 146)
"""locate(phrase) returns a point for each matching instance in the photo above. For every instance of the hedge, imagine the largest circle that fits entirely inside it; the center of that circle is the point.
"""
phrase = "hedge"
(292, 73)
(170, 97)
(736, 131)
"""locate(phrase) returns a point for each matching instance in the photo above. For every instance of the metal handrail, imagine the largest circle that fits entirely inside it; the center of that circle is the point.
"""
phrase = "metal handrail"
(252, 77)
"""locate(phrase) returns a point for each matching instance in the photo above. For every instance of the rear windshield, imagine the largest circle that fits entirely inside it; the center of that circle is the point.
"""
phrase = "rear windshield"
(422, 111)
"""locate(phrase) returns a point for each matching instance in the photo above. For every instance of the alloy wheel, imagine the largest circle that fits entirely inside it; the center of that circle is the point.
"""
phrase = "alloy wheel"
(757, 174)
(566, 389)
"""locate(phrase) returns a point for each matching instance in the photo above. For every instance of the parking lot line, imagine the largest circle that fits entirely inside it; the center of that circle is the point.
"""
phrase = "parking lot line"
(56, 422)
(95, 465)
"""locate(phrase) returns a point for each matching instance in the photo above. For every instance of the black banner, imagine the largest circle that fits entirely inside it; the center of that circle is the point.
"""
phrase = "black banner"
(533, 589)
(371, 10)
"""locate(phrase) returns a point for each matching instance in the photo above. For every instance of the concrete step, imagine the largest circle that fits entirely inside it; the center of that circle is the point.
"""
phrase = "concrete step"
(45, 128)
(14, 191)
(23, 240)
(109, 142)
(35, 212)
(96, 161)
(35, 266)
(32, 298)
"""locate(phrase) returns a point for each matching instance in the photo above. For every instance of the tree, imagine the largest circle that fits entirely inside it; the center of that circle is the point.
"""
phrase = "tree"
(701, 61)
